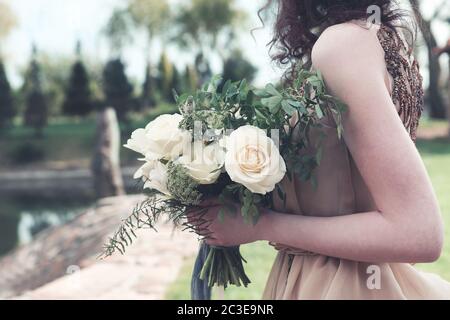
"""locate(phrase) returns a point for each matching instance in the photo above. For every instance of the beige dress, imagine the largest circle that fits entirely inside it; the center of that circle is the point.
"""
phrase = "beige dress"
(341, 190)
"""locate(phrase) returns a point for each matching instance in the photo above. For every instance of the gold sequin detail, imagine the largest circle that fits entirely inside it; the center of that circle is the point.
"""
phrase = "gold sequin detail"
(407, 91)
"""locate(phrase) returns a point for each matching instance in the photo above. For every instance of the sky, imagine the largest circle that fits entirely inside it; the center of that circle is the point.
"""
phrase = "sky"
(56, 25)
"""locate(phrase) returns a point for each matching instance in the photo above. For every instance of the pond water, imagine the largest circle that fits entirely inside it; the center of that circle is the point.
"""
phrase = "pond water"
(22, 218)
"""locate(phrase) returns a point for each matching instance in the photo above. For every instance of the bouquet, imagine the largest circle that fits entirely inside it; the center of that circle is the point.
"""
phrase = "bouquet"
(233, 142)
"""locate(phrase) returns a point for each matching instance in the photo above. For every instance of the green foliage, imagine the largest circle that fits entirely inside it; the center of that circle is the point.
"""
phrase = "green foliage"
(236, 67)
(7, 106)
(202, 68)
(153, 15)
(191, 79)
(165, 77)
(117, 88)
(177, 83)
(148, 89)
(214, 109)
(307, 102)
(203, 21)
(36, 111)
(145, 215)
(55, 72)
(78, 93)
(181, 186)
(118, 31)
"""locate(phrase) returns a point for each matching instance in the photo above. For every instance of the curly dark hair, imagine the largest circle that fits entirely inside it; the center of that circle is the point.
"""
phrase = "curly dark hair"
(299, 23)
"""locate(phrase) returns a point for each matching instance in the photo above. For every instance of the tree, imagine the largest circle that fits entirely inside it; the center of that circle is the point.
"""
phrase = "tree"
(202, 68)
(437, 104)
(236, 67)
(177, 82)
(152, 15)
(7, 111)
(78, 99)
(205, 24)
(190, 80)
(7, 107)
(36, 109)
(148, 89)
(117, 30)
(117, 88)
(165, 77)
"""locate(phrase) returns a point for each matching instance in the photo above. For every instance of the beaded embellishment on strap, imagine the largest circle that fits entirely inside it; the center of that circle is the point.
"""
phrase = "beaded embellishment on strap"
(407, 91)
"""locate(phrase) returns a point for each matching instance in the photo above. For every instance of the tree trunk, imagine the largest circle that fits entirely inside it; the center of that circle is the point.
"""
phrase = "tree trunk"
(106, 163)
(436, 101)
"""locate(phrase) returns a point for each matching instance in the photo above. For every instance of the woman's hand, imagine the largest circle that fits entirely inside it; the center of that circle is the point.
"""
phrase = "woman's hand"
(230, 231)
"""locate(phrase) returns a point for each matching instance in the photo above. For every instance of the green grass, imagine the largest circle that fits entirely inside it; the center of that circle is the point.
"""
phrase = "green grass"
(67, 139)
(436, 155)
(427, 123)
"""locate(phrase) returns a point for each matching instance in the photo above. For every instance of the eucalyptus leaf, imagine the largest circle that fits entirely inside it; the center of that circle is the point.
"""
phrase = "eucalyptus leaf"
(319, 111)
(288, 108)
(261, 93)
(273, 103)
(270, 88)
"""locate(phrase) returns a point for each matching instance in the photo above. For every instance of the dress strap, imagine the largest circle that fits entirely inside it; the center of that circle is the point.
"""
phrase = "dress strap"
(407, 91)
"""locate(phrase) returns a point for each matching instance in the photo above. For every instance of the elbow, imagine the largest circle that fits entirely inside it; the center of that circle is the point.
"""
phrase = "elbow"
(430, 242)
(431, 253)
(433, 249)
(421, 239)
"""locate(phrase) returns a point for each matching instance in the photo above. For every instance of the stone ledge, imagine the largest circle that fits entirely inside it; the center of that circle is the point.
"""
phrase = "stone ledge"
(62, 262)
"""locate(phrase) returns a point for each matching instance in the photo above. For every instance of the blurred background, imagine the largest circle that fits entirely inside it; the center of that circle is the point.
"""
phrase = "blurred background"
(66, 65)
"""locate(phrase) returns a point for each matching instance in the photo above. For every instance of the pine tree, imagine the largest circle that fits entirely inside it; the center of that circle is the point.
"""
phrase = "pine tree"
(7, 107)
(148, 88)
(177, 82)
(78, 98)
(36, 110)
(190, 80)
(117, 88)
(165, 77)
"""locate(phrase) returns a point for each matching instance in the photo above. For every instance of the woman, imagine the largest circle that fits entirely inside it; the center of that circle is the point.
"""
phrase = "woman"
(374, 212)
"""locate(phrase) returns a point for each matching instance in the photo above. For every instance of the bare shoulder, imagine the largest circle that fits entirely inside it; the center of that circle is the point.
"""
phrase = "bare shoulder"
(344, 42)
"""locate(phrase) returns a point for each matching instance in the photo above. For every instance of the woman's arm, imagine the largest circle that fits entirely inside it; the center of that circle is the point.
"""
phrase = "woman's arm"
(407, 226)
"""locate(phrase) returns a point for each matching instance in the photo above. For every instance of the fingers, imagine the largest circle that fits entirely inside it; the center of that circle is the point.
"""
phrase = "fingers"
(198, 221)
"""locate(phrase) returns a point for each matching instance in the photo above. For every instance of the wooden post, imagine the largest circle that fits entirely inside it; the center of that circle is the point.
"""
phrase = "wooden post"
(106, 161)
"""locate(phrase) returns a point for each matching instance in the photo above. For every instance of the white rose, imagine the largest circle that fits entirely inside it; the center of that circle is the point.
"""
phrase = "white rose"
(253, 160)
(161, 139)
(154, 175)
(204, 163)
